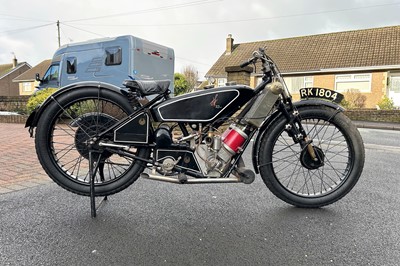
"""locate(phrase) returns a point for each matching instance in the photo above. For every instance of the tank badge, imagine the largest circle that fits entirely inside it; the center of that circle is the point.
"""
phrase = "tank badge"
(186, 159)
(142, 121)
(214, 101)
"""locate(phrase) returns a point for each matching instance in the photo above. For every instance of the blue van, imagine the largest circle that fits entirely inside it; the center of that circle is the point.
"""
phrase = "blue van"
(109, 60)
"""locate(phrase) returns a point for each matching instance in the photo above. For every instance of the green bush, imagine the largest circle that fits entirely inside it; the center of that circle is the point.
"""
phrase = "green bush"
(181, 85)
(38, 98)
(386, 103)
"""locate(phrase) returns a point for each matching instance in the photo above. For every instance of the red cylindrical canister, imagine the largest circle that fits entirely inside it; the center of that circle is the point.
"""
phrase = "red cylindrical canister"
(226, 132)
(234, 139)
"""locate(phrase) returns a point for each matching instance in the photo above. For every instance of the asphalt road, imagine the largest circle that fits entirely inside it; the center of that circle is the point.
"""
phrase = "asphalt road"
(153, 223)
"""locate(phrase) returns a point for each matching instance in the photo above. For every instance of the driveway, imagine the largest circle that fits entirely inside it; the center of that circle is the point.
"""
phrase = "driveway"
(19, 166)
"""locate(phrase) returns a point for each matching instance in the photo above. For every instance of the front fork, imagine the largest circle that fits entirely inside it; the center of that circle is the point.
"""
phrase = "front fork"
(296, 131)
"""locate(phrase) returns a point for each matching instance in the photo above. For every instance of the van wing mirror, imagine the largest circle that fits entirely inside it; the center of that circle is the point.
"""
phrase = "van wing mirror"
(37, 77)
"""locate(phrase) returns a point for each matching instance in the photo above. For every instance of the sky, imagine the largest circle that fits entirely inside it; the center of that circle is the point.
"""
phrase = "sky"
(195, 29)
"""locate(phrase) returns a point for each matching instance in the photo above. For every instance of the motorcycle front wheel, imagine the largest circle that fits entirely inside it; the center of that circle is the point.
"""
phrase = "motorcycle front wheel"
(294, 176)
(64, 130)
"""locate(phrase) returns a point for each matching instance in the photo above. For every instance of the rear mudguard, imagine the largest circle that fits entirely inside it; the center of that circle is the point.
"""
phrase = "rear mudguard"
(264, 128)
(34, 117)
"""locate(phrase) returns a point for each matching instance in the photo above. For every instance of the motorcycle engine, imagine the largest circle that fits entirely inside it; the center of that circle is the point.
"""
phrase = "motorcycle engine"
(213, 154)
(219, 149)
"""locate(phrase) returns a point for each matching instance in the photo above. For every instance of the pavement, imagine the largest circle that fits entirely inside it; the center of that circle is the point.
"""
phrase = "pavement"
(377, 125)
(20, 168)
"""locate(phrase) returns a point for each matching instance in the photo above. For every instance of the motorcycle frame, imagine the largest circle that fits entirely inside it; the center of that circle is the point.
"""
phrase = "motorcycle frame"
(285, 107)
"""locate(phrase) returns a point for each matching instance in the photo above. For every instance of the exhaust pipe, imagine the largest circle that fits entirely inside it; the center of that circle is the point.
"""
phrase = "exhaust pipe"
(183, 180)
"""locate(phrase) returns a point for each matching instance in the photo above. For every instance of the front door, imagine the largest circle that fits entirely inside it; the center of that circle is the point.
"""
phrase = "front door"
(394, 89)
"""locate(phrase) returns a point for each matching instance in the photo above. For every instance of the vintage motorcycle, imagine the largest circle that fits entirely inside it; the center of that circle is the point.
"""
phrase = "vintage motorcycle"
(95, 139)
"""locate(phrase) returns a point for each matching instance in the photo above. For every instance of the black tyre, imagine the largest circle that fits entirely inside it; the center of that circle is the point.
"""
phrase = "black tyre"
(63, 131)
(291, 174)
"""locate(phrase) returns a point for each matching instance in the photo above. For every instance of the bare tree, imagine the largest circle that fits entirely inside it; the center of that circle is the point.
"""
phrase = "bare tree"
(191, 74)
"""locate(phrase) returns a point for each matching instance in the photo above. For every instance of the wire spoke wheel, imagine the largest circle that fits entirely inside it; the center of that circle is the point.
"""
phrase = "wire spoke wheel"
(64, 132)
(74, 127)
(295, 176)
(290, 162)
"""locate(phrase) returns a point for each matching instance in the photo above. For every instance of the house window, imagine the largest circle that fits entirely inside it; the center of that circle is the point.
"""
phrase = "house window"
(222, 82)
(308, 82)
(113, 56)
(359, 82)
(294, 84)
(71, 65)
(26, 87)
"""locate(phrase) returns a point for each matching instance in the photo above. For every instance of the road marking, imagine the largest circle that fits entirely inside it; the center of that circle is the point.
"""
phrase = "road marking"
(382, 147)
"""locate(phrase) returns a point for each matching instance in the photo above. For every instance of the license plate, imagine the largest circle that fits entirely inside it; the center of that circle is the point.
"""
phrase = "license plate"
(321, 93)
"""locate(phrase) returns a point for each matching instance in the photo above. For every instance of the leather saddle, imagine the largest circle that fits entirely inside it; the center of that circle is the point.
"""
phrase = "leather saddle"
(148, 87)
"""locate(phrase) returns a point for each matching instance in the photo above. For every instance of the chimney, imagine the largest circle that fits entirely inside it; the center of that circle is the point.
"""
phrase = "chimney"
(229, 45)
(15, 61)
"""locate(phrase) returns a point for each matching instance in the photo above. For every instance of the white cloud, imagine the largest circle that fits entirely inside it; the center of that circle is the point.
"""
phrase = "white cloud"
(12, 45)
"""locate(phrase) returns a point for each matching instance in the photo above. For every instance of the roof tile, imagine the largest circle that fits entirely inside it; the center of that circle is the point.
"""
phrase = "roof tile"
(358, 48)
(31, 73)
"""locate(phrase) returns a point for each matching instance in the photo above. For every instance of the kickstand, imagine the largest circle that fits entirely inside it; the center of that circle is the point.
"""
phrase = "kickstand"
(92, 175)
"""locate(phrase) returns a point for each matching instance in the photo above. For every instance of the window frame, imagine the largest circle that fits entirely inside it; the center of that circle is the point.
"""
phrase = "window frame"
(352, 78)
(71, 68)
(221, 82)
(305, 83)
(49, 74)
(110, 59)
(26, 87)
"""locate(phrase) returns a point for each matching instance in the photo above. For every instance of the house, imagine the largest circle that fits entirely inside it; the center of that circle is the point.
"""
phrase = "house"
(27, 80)
(7, 73)
(365, 61)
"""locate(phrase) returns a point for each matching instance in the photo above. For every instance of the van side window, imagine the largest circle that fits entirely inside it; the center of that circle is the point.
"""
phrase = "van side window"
(113, 56)
(71, 65)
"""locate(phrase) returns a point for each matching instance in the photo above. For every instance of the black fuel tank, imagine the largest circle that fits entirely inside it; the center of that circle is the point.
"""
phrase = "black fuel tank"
(203, 106)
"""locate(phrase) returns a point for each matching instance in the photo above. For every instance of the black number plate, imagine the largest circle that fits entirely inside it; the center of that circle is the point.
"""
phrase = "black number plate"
(321, 93)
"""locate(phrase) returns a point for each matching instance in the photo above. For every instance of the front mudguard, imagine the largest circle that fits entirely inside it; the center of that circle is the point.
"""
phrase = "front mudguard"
(34, 117)
(276, 115)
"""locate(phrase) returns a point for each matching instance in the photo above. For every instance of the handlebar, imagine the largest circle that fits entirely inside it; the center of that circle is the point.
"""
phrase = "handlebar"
(248, 62)
(260, 54)
(269, 71)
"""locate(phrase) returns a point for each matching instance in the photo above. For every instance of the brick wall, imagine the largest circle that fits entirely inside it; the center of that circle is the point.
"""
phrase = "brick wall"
(324, 81)
(13, 103)
(20, 119)
(374, 115)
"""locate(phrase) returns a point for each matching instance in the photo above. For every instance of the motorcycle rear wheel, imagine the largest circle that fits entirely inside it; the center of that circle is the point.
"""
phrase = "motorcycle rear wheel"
(61, 139)
(291, 174)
